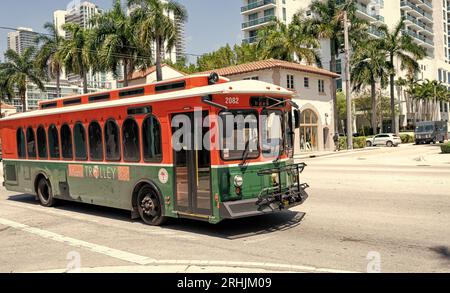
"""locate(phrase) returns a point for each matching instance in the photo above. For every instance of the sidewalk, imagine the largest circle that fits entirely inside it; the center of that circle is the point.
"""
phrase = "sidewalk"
(312, 155)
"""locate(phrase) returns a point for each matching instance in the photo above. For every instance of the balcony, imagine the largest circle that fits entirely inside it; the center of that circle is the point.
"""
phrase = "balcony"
(258, 4)
(250, 40)
(419, 24)
(415, 10)
(365, 13)
(425, 41)
(258, 22)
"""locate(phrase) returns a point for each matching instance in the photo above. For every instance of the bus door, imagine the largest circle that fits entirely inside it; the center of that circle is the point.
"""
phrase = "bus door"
(192, 167)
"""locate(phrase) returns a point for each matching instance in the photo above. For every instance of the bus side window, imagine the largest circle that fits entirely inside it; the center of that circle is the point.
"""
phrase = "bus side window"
(151, 140)
(20, 138)
(130, 132)
(112, 140)
(53, 142)
(95, 142)
(42, 143)
(66, 142)
(31, 143)
(79, 138)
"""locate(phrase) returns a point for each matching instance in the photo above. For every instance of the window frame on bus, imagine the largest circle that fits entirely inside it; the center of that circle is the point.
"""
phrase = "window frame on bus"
(57, 143)
(156, 159)
(45, 157)
(71, 142)
(31, 156)
(125, 159)
(119, 147)
(74, 141)
(101, 139)
(22, 145)
(222, 135)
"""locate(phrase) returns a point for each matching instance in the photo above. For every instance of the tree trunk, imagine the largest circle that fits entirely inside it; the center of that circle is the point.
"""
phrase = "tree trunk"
(373, 93)
(58, 83)
(333, 68)
(125, 73)
(392, 88)
(85, 85)
(159, 75)
(24, 102)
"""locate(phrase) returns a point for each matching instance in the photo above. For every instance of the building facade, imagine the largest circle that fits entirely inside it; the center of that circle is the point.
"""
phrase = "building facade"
(312, 88)
(426, 21)
(21, 39)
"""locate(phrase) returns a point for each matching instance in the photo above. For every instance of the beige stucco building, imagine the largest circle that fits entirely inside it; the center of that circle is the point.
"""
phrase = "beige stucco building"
(312, 88)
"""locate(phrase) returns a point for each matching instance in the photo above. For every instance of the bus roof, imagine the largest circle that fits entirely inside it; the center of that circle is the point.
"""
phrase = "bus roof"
(235, 87)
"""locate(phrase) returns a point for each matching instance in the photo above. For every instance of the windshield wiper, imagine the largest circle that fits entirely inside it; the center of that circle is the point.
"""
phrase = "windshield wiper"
(245, 154)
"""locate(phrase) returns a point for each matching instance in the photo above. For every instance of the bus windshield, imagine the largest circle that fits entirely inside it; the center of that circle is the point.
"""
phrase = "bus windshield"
(240, 134)
(272, 133)
(425, 128)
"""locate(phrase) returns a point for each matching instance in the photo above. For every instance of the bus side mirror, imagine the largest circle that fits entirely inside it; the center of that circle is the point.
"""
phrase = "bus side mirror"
(297, 118)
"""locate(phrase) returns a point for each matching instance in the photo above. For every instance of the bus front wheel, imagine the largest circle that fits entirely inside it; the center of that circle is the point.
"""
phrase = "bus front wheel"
(44, 192)
(150, 207)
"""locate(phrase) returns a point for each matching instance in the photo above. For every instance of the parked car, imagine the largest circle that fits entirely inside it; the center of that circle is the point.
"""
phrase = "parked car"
(431, 132)
(387, 139)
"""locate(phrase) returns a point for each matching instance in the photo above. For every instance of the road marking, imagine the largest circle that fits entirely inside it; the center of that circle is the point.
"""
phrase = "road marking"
(143, 260)
(103, 221)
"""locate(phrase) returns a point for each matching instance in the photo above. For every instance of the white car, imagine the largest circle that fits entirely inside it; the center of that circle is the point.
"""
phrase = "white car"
(386, 139)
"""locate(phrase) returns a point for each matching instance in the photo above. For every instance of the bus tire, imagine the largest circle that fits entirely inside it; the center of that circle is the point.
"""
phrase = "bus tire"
(149, 206)
(45, 193)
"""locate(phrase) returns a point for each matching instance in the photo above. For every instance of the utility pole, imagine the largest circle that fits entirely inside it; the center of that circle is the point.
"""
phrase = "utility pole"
(348, 84)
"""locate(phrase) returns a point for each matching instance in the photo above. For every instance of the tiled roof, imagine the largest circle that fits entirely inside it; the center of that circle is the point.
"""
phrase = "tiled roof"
(269, 64)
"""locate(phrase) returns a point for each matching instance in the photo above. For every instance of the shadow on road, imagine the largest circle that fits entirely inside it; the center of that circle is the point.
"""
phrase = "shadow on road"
(228, 229)
(442, 251)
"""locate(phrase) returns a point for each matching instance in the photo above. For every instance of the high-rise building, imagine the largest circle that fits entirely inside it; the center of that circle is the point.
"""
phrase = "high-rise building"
(426, 21)
(21, 39)
(81, 13)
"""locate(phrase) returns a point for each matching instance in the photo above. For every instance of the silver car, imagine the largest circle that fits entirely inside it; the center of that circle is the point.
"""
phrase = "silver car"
(386, 139)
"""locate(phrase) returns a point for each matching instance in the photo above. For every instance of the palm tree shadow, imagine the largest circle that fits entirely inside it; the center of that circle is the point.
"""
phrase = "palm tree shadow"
(442, 251)
(228, 229)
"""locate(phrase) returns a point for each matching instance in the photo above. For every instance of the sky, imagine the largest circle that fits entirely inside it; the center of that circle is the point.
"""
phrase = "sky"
(211, 23)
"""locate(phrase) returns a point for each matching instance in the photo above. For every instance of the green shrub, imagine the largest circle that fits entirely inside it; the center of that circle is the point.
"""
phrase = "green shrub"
(407, 138)
(358, 142)
(445, 148)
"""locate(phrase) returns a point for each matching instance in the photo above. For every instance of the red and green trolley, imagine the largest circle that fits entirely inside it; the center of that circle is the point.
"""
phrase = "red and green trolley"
(116, 149)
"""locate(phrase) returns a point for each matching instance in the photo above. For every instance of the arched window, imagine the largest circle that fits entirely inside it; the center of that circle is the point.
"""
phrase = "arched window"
(53, 142)
(20, 139)
(66, 142)
(79, 138)
(112, 140)
(42, 143)
(152, 140)
(95, 142)
(309, 131)
(130, 139)
(31, 143)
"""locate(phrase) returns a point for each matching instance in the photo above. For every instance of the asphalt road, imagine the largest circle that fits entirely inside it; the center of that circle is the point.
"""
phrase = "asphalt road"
(385, 209)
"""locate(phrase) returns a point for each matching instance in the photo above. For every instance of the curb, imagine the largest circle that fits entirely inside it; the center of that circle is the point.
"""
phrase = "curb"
(346, 152)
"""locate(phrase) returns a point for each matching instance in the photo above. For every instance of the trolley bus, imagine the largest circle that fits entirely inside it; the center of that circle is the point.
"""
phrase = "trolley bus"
(116, 149)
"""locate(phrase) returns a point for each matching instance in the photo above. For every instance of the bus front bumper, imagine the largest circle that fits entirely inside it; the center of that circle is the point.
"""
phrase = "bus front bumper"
(268, 204)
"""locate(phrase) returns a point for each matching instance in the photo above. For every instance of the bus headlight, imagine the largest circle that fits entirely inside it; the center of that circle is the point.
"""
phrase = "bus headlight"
(238, 181)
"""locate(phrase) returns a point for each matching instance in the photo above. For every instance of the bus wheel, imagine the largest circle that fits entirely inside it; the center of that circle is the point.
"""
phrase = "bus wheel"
(45, 194)
(149, 206)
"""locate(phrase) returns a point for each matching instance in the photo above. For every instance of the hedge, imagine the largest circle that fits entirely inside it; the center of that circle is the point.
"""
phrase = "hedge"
(358, 142)
(407, 138)
(445, 148)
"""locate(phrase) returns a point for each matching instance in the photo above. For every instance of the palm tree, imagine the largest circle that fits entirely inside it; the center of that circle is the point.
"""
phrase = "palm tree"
(369, 67)
(75, 53)
(47, 56)
(327, 23)
(20, 70)
(287, 42)
(154, 25)
(6, 91)
(115, 41)
(400, 46)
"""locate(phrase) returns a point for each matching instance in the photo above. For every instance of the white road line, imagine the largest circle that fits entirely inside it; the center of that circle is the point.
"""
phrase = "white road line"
(102, 221)
(143, 260)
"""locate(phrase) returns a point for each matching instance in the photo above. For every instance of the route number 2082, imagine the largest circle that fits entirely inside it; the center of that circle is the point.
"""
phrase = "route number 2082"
(232, 100)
